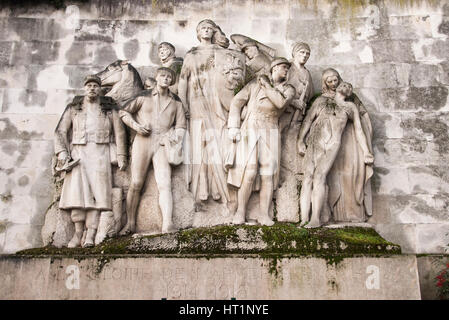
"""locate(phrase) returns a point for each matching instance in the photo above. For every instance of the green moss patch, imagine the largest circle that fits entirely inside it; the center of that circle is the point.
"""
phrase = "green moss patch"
(282, 239)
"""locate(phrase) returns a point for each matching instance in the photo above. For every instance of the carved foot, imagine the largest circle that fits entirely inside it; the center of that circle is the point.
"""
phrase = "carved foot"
(75, 241)
(313, 224)
(266, 221)
(169, 229)
(127, 229)
(238, 218)
(216, 196)
(90, 236)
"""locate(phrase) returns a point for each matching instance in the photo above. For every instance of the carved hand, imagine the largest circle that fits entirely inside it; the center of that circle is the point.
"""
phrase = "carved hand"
(298, 104)
(369, 158)
(234, 134)
(63, 157)
(264, 81)
(301, 148)
(122, 162)
(143, 130)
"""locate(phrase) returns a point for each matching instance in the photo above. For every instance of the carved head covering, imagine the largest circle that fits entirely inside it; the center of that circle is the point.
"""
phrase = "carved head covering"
(218, 37)
(330, 72)
(298, 46)
(278, 61)
(173, 74)
(92, 78)
(248, 43)
(167, 45)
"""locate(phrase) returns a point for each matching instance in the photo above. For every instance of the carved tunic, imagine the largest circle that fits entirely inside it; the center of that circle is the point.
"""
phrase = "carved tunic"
(89, 184)
(260, 129)
(148, 111)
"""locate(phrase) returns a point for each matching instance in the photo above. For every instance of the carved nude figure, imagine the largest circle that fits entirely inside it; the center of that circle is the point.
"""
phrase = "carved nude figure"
(159, 120)
(257, 156)
(324, 124)
(93, 124)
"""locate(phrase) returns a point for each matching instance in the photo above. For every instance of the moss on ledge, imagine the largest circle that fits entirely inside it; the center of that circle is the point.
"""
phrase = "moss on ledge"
(282, 239)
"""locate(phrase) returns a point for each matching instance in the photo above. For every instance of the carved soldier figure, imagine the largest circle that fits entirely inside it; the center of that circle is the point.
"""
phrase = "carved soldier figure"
(159, 120)
(166, 53)
(259, 56)
(93, 124)
(300, 78)
(326, 121)
(257, 156)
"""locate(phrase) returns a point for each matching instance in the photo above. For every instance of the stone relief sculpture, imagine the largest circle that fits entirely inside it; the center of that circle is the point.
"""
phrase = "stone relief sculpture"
(349, 178)
(300, 78)
(124, 80)
(324, 126)
(84, 139)
(258, 55)
(159, 120)
(206, 106)
(257, 156)
(233, 146)
(166, 53)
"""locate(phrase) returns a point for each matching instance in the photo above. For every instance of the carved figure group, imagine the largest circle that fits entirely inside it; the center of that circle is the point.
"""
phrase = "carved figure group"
(218, 111)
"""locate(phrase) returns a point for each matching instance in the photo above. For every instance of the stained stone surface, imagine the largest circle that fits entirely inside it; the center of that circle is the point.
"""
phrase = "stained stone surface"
(393, 52)
(368, 278)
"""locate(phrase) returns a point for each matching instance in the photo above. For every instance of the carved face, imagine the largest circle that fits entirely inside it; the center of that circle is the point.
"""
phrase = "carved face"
(251, 52)
(301, 56)
(332, 82)
(164, 79)
(150, 83)
(206, 31)
(165, 52)
(92, 90)
(279, 72)
(345, 89)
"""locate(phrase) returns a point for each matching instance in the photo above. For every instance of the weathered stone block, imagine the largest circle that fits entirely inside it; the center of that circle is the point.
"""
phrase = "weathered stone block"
(28, 29)
(35, 52)
(28, 127)
(414, 99)
(432, 238)
(402, 234)
(215, 278)
(21, 236)
(392, 51)
(428, 268)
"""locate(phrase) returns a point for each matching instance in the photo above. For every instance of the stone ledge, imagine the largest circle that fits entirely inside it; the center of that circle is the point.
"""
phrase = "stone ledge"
(145, 277)
(282, 239)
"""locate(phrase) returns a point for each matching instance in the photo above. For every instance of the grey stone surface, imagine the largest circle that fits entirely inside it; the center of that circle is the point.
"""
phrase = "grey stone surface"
(428, 268)
(394, 53)
(177, 278)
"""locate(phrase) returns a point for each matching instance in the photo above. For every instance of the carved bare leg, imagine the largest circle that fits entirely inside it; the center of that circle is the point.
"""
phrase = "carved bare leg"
(132, 202)
(318, 198)
(162, 174)
(78, 218)
(266, 197)
(305, 200)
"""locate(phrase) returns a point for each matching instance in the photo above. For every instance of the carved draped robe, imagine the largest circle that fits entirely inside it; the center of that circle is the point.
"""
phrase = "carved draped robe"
(349, 179)
(208, 118)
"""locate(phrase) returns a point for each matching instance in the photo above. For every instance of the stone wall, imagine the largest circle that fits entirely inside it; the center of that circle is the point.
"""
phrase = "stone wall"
(393, 52)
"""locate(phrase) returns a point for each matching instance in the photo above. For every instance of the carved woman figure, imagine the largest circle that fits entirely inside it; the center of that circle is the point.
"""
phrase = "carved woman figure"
(202, 99)
(324, 126)
(349, 178)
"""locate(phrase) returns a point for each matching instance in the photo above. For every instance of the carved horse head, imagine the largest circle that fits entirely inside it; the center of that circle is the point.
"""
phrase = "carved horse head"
(124, 79)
